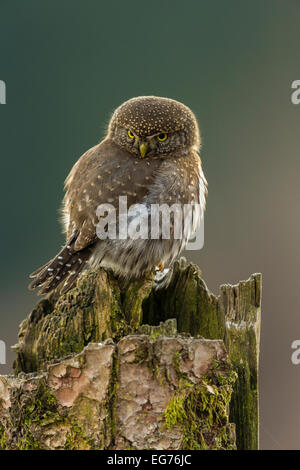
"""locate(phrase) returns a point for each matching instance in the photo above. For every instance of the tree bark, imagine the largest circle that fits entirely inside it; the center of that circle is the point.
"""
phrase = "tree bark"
(104, 367)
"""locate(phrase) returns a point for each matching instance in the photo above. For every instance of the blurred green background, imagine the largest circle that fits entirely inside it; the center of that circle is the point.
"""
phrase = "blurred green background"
(68, 64)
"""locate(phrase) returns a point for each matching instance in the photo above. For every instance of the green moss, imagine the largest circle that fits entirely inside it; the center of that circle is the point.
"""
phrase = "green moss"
(242, 345)
(155, 335)
(202, 411)
(76, 439)
(37, 409)
(188, 300)
(176, 362)
(3, 437)
(28, 442)
(156, 371)
(133, 293)
(98, 307)
(175, 412)
(141, 354)
(111, 427)
(167, 328)
(102, 306)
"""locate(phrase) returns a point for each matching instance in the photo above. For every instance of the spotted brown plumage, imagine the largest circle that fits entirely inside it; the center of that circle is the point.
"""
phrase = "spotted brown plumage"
(165, 133)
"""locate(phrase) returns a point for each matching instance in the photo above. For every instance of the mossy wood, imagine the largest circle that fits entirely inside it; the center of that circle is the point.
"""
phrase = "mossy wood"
(140, 393)
(102, 308)
(235, 317)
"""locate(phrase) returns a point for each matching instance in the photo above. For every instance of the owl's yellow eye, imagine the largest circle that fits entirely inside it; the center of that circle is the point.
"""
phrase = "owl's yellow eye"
(131, 135)
(162, 137)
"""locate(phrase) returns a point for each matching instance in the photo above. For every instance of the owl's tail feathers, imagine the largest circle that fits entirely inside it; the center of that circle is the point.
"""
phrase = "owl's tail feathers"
(66, 266)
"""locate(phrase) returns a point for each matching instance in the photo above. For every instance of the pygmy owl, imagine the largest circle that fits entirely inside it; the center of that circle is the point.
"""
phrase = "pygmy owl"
(150, 155)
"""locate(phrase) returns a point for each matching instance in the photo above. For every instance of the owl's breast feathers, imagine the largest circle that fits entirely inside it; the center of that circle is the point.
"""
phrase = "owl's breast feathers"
(101, 176)
(106, 172)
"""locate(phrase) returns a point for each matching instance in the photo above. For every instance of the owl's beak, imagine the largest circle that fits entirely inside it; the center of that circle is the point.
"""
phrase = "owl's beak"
(143, 149)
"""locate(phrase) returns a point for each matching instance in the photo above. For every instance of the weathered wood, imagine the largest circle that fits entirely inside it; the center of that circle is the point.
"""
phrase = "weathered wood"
(233, 316)
(141, 393)
(187, 299)
(241, 307)
(101, 307)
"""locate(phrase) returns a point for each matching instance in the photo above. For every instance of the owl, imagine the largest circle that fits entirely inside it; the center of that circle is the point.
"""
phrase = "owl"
(150, 155)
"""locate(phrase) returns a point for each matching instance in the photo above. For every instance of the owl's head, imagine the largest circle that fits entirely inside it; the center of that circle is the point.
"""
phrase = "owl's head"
(150, 125)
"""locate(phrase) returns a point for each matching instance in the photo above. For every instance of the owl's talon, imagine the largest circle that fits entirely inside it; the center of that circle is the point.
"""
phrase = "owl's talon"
(160, 267)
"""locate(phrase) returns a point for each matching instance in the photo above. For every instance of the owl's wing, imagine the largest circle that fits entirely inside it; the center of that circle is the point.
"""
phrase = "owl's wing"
(101, 176)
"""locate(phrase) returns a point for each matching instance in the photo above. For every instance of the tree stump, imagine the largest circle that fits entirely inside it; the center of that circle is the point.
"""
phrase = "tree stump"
(104, 367)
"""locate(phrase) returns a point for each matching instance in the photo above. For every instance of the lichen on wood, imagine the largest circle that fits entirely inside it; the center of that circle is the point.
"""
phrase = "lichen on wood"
(116, 313)
(233, 316)
(111, 396)
(99, 307)
(241, 307)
